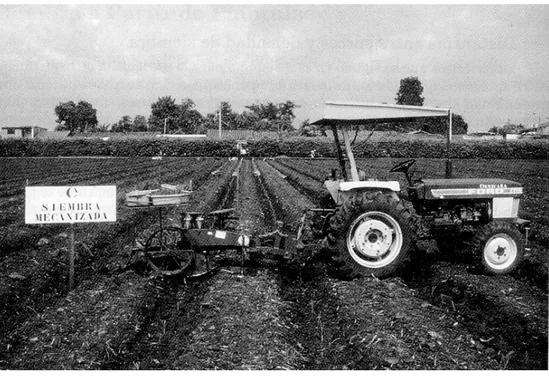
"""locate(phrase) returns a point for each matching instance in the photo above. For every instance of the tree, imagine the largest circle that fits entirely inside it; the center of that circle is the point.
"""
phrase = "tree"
(188, 118)
(410, 92)
(163, 110)
(123, 125)
(309, 130)
(439, 125)
(272, 116)
(178, 118)
(140, 124)
(76, 117)
(126, 124)
(508, 128)
(229, 118)
(103, 127)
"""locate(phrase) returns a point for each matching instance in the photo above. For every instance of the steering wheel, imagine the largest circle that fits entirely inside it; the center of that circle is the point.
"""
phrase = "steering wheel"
(403, 166)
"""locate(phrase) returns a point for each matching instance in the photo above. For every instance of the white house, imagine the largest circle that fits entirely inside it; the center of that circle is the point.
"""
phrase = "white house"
(21, 132)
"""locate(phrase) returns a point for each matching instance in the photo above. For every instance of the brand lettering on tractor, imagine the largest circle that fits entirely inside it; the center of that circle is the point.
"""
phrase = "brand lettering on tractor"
(476, 191)
(492, 186)
(494, 191)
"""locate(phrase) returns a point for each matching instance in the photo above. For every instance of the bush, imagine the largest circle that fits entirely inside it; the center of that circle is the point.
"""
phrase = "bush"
(291, 147)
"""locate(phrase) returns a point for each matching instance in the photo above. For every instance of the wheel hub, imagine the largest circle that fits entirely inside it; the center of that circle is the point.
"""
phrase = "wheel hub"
(499, 250)
(372, 238)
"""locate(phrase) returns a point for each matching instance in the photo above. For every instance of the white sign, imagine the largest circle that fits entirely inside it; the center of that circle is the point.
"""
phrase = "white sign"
(74, 204)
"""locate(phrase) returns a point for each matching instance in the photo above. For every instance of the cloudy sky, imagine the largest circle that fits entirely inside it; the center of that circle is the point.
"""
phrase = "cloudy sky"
(489, 63)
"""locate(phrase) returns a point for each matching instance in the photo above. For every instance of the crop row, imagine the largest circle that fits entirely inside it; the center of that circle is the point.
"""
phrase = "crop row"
(34, 277)
(462, 311)
(288, 203)
(116, 314)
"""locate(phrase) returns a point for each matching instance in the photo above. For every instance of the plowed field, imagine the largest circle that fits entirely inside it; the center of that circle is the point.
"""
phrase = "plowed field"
(268, 315)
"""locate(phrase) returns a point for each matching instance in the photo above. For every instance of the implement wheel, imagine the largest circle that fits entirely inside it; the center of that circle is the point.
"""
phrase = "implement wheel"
(374, 235)
(164, 253)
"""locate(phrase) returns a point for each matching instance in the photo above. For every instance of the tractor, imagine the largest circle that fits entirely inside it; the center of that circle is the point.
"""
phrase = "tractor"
(371, 230)
(366, 226)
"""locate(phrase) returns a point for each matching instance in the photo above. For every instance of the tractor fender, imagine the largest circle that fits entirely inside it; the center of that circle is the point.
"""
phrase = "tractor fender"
(369, 185)
(342, 190)
(345, 195)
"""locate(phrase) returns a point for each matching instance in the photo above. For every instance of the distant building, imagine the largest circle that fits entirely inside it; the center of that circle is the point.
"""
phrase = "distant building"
(21, 132)
(540, 130)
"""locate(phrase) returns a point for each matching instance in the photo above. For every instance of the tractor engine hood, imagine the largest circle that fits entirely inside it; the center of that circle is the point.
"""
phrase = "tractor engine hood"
(436, 189)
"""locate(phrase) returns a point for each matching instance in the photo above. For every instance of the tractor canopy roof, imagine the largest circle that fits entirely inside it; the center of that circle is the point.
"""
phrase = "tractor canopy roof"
(354, 113)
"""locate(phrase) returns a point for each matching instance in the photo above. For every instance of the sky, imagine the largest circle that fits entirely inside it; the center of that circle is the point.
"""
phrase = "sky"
(489, 63)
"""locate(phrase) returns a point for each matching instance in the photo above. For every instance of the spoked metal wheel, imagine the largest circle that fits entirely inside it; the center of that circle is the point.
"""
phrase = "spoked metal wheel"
(164, 254)
(374, 239)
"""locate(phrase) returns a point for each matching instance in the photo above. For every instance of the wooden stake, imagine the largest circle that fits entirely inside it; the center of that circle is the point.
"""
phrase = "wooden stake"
(71, 259)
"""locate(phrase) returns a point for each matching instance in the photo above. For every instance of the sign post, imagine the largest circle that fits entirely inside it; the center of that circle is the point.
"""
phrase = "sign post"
(70, 204)
(71, 259)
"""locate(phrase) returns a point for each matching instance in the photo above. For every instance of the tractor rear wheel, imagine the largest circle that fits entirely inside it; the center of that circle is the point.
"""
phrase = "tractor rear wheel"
(373, 235)
(499, 247)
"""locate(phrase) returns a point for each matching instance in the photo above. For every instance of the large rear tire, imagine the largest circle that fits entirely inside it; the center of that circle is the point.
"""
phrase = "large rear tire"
(499, 247)
(373, 234)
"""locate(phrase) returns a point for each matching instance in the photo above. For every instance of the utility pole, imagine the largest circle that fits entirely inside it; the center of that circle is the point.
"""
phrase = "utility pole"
(220, 110)
(448, 141)
(165, 124)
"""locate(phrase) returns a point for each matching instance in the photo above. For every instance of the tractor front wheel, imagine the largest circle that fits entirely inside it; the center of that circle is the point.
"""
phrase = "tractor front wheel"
(373, 235)
(499, 247)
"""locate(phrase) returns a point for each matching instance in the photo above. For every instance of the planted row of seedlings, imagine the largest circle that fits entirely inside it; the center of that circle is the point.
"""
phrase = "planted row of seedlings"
(13, 236)
(12, 203)
(496, 351)
(86, 169)
(102, 251)
(167, 333)
(308, 320)
(233, 320)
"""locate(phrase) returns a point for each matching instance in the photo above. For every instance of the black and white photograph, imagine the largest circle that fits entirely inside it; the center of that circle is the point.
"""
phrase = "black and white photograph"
(281, 186)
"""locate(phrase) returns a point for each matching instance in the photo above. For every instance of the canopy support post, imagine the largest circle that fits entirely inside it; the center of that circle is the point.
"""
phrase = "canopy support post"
(339, 153)
(349, 150)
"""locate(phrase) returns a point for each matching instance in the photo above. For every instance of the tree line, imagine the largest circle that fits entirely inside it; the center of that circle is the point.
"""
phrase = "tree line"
(168, 116)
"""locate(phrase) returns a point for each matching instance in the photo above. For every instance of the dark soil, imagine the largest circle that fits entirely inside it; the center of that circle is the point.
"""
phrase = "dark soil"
(269, 315)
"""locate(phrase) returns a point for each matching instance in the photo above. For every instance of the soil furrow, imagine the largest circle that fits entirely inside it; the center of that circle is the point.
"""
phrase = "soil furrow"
(105, 257)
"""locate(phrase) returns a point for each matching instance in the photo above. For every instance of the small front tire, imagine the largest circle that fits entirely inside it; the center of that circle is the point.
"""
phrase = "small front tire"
(499, 247)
